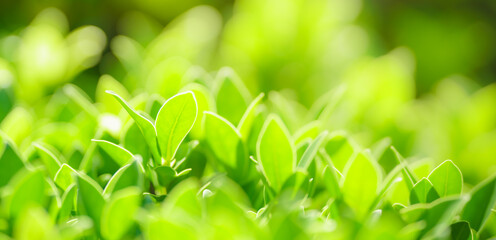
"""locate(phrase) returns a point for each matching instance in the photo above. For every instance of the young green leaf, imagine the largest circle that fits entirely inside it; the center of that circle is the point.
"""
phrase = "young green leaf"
(223, 139)
(446, 179)
(232, 96)
(423, 192)
(340, 149)
(409, 178)
(108, 82)
(483, 199)
(128, 175)
(10, 163)
(118, 213)
(65, 176)
(51, 162)
(461, 231)
(275, 152)
(26, 188)
(145, 125)
(205, 101)
(311, 151)
(67, 203)
(89, 200)
(440, 214)
(360, 183)
(119, 154)
(246, 121)
(174, 121)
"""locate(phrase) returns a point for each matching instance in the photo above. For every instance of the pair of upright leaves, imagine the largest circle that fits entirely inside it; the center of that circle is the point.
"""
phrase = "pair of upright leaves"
(277, 156)
(173, 122)
(445, 180)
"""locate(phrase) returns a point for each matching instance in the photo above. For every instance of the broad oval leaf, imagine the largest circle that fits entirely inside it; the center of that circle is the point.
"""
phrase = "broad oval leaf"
(361, 181)
(146, 127)
(446, 179)
(275, 152)
(118, 213)
(174, 121)
(222, 138)
(205, 101)
(478, 208)
(119, 154)
(423, 192)
(232, 96)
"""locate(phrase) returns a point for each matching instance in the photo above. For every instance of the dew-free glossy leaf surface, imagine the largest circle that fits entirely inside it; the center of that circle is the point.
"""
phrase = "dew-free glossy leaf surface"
(232, 97)
(119, 154)
(447, 179)
(174, 121)
(65, 176)
(223, 138)
(275, 152)
(423, 192)
(145, 125)
(128, 175)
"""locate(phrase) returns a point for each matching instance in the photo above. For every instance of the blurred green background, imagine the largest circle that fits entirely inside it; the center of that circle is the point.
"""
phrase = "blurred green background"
(420, 72)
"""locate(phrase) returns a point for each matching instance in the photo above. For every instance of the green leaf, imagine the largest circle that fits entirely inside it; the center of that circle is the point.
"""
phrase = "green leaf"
(409, 178)
(275, 152)
(248, 118)
(26, 188)
(232, 96)
(67, 203)
(478, 208)
(65, 176)
(340, 149)
(145, 125)
(10, 163)
(423, 192)
(118, 213)
(119, 154)
(361, 181)
(440, 214)
(89, 200)
(311, 151)
(205, 101)
(49, 159)
(447, 179)
(108, 82)
(174, 121)
(223, 139)
(128, 175)
(461, 231)
(165, 175)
